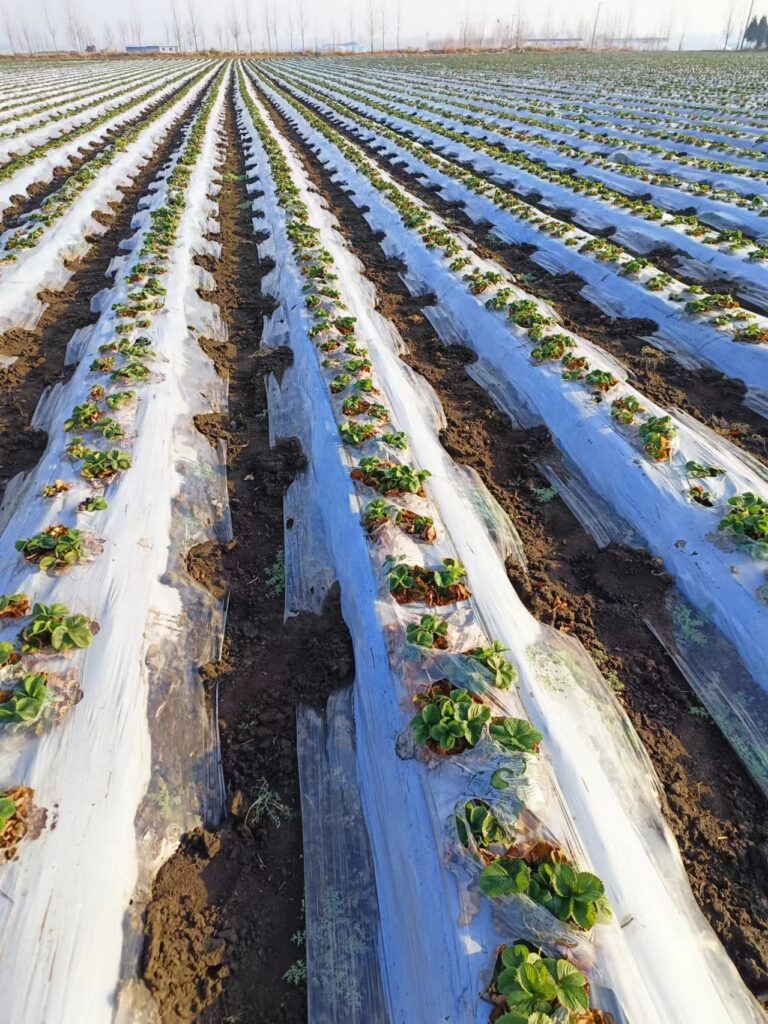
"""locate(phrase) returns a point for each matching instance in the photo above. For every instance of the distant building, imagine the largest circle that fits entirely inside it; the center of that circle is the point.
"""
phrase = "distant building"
(152, 48)
(351, 47)
(90, 48)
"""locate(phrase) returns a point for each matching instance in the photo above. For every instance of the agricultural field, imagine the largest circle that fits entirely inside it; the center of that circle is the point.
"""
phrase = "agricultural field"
(384, 539)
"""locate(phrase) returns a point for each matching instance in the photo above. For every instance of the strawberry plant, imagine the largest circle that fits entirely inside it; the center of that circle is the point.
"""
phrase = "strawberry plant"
(99, 465)
(395, 439)
(7, 810)
(554, 347)
(356, 433)
(657, 434)
(576, 897)
(450, 720)
(431, 631)
(345, 324)
(625, 409)
(537, 989)
(97, 504)
(53, 626)
(601, 380)
(26, 700)
(340, 383)
(503, 672)
(390, 478)
(515, 735)
(700, 470)
(8, 654)
(411, 584)
(84, 417)
(477, 825)
(56, 547)
(747, 521)
(13, 606)
(57, 487)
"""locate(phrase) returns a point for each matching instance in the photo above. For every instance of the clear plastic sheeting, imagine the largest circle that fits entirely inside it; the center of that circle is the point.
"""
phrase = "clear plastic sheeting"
(718, 678)
(343, 937)
(43, 267)
(135, 763)
(651, 497)
(591, 787)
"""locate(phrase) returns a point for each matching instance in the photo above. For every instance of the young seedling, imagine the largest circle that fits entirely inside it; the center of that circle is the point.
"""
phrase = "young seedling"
(431, 631)
(53, 626)
(449, 722)
(13, 606)
(390, 478)
(356, 433)
(537, 989)
(26, 701)
(701, 470)
(625, 409)
(478, 826)
(503, 672)
(747, 521)
(97, 504)
(515, 735)
(57, 487)
(576, 897)
(104, 466)
(7, 810)
(57, 547)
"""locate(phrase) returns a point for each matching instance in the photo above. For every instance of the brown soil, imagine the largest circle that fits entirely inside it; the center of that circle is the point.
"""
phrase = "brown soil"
(707, 395)
(600, 596)
(40, 362)
(224, 909)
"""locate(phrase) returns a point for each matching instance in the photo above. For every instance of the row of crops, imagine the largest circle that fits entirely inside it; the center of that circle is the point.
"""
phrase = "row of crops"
(523, 868)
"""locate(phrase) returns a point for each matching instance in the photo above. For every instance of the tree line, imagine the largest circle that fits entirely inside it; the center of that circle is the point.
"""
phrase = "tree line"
(757, 33)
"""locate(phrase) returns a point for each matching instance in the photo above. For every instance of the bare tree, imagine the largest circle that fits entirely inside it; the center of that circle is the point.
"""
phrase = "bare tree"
(268, 26)
(50, 24)
(275, 26)
(175, 22)
(234, 26)
(192, 22)
(135, 23)
(728, 26)
(220, 35)
(26, 34)
(123, 32)
(397, 24)
(109, 39)
(248, 22)
(290, 31)
(371, 22)
(301, 18)
(382, 22)
(10, 31)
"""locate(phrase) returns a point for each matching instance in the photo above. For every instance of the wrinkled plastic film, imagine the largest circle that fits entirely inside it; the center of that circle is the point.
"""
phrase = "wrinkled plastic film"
(604, 803)
(341, 907)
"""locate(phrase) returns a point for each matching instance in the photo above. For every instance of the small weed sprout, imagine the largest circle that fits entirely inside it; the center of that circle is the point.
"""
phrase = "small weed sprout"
(296, 974)
(266, 805)
(545, 494)
(276, 575)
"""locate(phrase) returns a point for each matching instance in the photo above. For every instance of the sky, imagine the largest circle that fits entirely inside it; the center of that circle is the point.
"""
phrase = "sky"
(691, 23)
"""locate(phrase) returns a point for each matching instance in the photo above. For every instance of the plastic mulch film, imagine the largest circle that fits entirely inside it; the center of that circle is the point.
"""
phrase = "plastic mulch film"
(652, 497)
(343, 938)
(136, 762)
(589, 796)
(43, 267)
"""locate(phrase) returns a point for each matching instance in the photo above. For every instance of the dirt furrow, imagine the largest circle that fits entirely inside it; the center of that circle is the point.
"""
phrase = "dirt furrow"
(600, 596)
(226, 919)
